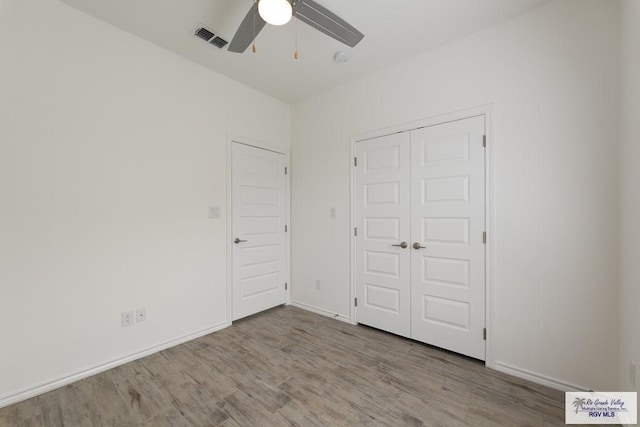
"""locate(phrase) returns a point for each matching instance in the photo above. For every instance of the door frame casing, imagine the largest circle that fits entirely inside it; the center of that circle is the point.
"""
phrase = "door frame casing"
(490, 226)
(262, 145)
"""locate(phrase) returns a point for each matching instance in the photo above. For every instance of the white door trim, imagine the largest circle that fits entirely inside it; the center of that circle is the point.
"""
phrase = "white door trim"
(490, 226)
(231, 139)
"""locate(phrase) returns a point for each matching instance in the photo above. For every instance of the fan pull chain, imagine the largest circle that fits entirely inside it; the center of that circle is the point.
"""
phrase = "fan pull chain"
(295, 52)
(254, 48)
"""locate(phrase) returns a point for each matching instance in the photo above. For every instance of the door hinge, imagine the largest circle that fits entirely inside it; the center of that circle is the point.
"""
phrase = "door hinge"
(484, 334)
(286, 286)
(285, 170)
(355, 301)
(286, 228)
(484, 140)
(484, 237)
(355, 231)
(355, 161)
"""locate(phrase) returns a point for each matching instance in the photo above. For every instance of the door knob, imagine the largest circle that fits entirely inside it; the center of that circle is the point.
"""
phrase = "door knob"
(403, 245)
(236, 241)
(417, 245)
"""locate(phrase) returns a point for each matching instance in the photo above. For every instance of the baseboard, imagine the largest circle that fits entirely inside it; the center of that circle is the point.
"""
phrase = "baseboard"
(320, 311)
(61, 382)
(536, 378)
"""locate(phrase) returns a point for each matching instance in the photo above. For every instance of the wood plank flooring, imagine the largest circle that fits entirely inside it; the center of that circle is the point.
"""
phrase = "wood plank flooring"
(286, 367)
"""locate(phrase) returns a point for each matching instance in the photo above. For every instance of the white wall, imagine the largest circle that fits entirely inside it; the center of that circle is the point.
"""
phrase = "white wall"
(551, 76)
(630, 193)
(111, 150)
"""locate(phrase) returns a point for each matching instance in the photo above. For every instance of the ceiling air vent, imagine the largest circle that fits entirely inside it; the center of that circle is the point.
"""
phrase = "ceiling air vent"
(210, 37)
(218, 41)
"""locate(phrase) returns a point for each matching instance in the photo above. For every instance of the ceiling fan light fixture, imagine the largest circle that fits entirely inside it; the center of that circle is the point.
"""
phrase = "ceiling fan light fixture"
(275, 12)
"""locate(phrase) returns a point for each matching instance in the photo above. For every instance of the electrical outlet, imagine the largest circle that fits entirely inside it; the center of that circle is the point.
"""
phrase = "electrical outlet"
(141, 315)
(632, 372)
(332, 213)
(127, 318)
(318, 285)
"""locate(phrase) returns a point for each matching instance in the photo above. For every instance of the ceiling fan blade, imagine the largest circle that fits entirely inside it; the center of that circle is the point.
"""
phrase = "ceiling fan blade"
(247, 31)
(322, 19)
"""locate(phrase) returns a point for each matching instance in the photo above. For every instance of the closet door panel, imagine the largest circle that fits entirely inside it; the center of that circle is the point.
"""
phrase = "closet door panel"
(382, 219)
(447, 225)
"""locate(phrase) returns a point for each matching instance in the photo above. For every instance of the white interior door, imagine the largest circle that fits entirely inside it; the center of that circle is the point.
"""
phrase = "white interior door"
(447, 226)
(259, 219)
(382, 218)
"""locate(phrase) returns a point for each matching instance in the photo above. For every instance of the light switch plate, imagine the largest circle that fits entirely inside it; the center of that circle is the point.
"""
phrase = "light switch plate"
(214, 211)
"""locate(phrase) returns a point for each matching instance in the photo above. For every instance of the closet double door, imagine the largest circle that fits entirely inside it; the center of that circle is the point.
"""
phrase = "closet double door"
(420, 251)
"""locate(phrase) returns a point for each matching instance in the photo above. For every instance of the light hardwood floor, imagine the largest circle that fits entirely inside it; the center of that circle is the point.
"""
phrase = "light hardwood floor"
(287, 366)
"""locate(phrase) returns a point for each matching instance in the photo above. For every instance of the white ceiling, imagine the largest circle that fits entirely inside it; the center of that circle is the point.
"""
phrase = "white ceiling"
(394, 30)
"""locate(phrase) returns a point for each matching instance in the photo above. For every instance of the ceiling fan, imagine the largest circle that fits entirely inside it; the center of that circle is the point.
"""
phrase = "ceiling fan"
(279, 12)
